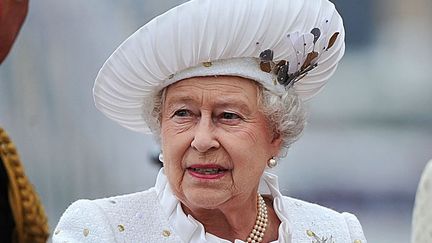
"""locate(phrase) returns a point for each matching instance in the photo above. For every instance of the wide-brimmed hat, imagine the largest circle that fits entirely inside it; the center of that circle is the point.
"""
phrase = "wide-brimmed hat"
(282, 44)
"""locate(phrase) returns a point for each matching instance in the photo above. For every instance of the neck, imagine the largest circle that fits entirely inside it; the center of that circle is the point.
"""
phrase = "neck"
(235, 219)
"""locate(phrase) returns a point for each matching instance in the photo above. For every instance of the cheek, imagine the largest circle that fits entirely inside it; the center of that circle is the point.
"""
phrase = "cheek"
(249, 147)
(254, 135)
(173, 165)
(174, 148)
(172, 135)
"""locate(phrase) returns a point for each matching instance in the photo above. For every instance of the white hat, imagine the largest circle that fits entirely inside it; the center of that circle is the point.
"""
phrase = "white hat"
(279, 43)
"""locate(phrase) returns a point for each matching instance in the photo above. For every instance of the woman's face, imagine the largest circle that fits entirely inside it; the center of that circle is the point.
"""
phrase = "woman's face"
(215, 140)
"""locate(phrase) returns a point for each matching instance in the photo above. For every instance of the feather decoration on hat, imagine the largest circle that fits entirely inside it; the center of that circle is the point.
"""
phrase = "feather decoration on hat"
(307, 49)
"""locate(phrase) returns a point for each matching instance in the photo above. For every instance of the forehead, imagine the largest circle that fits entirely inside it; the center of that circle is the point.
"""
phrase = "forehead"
(216, 88)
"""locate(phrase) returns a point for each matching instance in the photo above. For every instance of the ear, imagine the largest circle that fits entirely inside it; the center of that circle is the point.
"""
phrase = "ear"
(276, 143)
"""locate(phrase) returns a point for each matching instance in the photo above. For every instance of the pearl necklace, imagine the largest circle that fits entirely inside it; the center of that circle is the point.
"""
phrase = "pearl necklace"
(257, 233)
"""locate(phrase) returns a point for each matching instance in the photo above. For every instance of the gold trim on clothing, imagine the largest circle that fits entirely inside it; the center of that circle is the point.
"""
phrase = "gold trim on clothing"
(31, 224)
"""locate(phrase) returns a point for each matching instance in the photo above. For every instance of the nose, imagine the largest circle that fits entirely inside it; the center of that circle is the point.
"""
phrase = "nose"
(204, 137)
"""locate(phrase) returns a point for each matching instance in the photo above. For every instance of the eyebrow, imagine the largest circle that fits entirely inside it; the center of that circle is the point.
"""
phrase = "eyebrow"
(179, 99)
(234, 103)
(170, 103)
(219, 103)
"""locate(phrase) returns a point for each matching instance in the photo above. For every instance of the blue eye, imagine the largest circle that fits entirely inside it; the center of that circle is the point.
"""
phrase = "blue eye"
(182, 113)
(230, 116)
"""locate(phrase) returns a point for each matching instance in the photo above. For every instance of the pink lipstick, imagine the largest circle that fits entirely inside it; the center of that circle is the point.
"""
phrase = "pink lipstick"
(207, 171)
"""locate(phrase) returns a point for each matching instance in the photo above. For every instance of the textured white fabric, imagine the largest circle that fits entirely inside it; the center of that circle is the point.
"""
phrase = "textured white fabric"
(422, 215)
(165, 49)
(354, 227)
(155, 215)
(131, 218)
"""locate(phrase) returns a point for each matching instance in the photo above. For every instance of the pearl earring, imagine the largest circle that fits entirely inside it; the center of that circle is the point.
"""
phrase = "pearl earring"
(161, 157)
(272, 162)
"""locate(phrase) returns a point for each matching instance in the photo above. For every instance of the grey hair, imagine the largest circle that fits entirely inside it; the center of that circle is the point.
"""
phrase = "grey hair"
(285, 114)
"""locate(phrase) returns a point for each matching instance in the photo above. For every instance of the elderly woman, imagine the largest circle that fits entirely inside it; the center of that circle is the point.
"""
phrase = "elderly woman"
(221, 85)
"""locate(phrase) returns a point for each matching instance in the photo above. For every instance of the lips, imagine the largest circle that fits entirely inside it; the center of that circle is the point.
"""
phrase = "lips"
(207, 171)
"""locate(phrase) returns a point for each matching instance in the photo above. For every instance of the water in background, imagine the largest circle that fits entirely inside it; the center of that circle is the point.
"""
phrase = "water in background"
(369, 133)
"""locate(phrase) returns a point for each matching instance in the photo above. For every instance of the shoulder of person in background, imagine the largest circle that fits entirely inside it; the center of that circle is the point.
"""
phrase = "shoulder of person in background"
(12, 16)
(23, 218)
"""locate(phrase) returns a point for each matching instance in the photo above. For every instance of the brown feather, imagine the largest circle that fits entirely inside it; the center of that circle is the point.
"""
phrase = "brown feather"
(332, 40)
(278, 66)
(310, 57)
(265, 67)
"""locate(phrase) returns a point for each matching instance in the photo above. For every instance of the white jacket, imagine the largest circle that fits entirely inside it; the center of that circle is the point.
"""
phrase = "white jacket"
(155, 215)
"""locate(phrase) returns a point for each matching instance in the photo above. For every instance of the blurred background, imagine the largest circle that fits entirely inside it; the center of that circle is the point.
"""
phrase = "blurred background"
(367, 141)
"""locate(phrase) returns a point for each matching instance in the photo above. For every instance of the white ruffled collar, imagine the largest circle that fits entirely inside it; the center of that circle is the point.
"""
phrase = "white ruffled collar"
(191, 230)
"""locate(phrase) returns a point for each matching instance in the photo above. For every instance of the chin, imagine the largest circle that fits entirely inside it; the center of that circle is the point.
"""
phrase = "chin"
(206, 198)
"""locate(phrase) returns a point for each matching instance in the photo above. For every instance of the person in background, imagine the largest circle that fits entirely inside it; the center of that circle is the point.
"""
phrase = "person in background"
(221, 85)
(22, 217)
(422, 213)
(12, 16)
